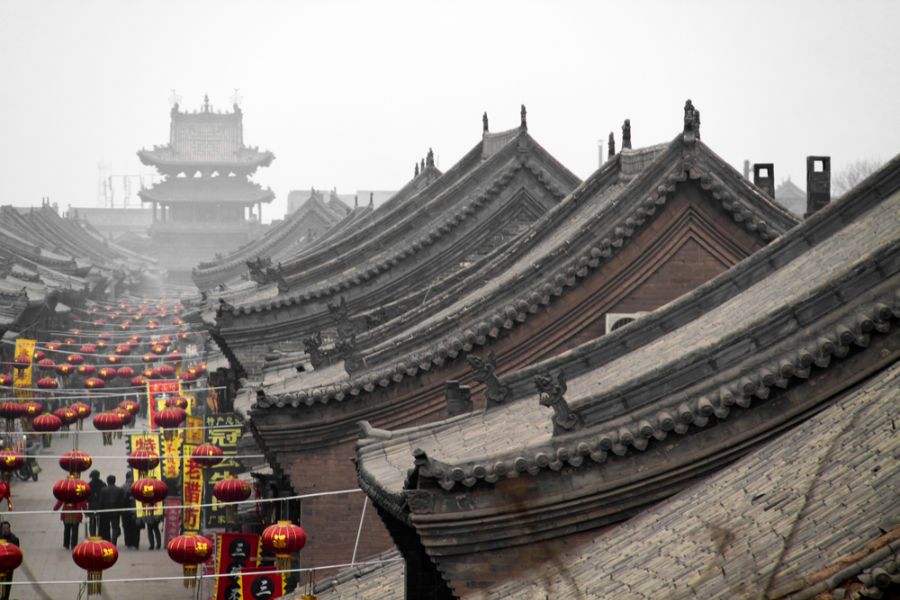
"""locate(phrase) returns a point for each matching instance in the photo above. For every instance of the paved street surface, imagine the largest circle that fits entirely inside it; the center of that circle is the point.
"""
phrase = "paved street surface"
(41, 536)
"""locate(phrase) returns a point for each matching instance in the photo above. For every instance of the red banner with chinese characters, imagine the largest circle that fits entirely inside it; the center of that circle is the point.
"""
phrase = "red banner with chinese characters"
(193, 491)
(234, 551)
(173, 519)
(157, 393)
(261, 583)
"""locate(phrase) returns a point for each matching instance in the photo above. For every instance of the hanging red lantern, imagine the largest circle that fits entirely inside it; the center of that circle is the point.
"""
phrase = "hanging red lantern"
(10, 461)
(177, 402)
(284, 538)
(135, 339)
(107, 422)
(99, 322)
(168, 419)
(71, 342)
(189, 550)
(231, 489)
(174, 356)
(6, 492)
(101, 344)
(67, 415)
(88, 349)
(11, 411)
(45, 425)
(81, 409)
(33, 408)
(201, 368)
(151, 324)
(107, 373)
(95, 555)
(187, 376)
(71, 490)
(182, 335)
(125, 372)
(86, 370)
(39, 355)
(132, 406)
(148, 358)
(22, 361)
(46, 364)
(10, 558)
(138, 381)
(5, 380)
(125, 326)
(207, 455)
(113, 359)
(165, 340)
(75, 462)
(166, 371)
(144, 461)
(75, 359)
(158, 349)
(65, 369)
(126, 417)
(94, 383)
(104, 335)
(54, 345)
(149, 491)
(47, 383)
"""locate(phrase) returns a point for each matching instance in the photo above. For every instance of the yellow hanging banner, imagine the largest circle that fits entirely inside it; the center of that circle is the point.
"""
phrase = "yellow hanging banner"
(22, 377)
(149, 442)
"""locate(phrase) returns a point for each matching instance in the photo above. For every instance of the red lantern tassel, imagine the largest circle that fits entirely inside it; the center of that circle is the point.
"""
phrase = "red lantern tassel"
(190, 571)
(107, 438)
(95, 587)
(283, 561)
(46, 438)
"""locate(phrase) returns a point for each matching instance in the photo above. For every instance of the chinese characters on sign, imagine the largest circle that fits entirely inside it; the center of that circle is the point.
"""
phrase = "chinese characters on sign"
(234, 551)
(193, 491)
(22, 377)
(224, 431)
(150, 443)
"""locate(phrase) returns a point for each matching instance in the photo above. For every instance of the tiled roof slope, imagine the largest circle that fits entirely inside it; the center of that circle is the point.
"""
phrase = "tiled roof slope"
(382, 581)
(549, 259)
(278, 243)
(734, 338)
(819, 500)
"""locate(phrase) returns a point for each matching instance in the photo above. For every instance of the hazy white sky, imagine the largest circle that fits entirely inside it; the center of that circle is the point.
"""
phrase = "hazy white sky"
(350, 94)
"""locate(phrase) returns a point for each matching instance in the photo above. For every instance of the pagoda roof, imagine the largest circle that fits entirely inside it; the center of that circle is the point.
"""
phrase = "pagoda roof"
(167, 159)
(728, 366)
(791, 197)
(280, 241)
(207, 190)
(518, 279)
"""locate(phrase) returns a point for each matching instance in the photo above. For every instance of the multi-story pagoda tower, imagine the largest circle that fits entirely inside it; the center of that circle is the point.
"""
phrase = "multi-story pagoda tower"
(206, 203)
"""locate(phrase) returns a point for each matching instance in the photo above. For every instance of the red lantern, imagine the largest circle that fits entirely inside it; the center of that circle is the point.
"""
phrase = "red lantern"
(231, 489)
(177, 402)
(138, 381)
(46, 364)
(174, 356)
(86, 370)
(148, 358)
(201, 368)
(10, 557)
(75, 461)
(88, 349)
(104, 335)
(187, 376)
(132, 406)
(22, 361)
(166, 371)
(125, 326)
(12, 410)
(126, 417)
(54, 345)
(6, 492)
(5, 380)
(123, 349)
(10, 461)
(158, 349)
(81, 409)
(207, 455)
(107, 373)
(65, 369)
(94, 383)
(125, 372)
(113, 359)
(47, 383)
(39, 355)
(75, 359)
(94, 555)
(46, 423)
(284, 538)
(33, 409)
(144, 461)
(101, 344)
(67, 415)
(107, 422)
(169, 418)
(99, 322)
(189, 550)
(149, 491)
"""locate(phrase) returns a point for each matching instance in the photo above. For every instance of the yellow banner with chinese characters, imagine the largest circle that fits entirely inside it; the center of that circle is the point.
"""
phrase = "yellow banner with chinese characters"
(22, 377)
(194, 431)
(192, 495)
(171, 465)
(149, 442)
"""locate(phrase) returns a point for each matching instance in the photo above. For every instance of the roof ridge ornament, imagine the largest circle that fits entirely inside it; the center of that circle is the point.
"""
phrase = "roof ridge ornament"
(626, 135)
(495, 392)
(429, 158)
(611, 144)
(206, 103)
(416, 170)
(484, 122)
(551, 389)
(691, 123)
(523, 114)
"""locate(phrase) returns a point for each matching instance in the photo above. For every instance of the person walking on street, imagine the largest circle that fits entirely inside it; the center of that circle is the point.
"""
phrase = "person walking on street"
(71, 517)
(152, 522)
(7, 534)
(130, 526)
(111, 499)
(96, 484)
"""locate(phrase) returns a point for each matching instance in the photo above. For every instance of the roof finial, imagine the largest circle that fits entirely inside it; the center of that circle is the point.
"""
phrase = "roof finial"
(236, 99)
(371, 199)
(416, 172)
(612, 145)
(205, 102)
(523, 120)
(626, 134)
(355, 200)
(422, 166)
(174, 99)
(691, 123)
(484, 122)
(429, 158)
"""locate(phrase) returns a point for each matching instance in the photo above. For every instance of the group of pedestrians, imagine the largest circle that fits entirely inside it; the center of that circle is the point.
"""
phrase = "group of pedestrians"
(111, 514)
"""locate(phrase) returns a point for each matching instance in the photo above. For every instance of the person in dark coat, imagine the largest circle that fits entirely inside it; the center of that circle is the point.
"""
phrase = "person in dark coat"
(96, 484)
(7, 534)
(111, 499)
(130, 526)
